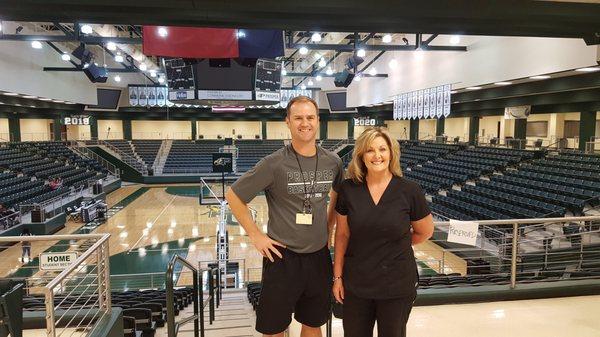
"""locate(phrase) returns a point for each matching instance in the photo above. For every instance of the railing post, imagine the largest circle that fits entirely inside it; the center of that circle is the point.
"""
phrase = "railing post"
(211, 294)
(170, 301)
(200, 295)
(50, 328)
(513, 262)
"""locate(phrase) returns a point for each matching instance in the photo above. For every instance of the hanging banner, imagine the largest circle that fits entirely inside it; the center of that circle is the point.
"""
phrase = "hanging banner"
(161, 99)
(447, 101)
(439, 105)
(426, 103)
(403, 106)
(420, 104)
(133, 96)
(143, 96)
(152, 96)
(415, 112)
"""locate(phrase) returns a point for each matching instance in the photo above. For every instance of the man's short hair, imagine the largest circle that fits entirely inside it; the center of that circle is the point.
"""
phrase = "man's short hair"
(300, 99)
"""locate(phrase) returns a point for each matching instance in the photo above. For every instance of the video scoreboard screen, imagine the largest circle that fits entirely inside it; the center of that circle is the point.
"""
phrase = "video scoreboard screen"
(267, 83)
(180, 79)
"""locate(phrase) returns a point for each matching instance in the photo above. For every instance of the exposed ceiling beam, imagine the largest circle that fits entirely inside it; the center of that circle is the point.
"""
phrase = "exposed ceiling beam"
(429, 39)
(70, 38)
(377, 47)
(79, 68)
(323, 74)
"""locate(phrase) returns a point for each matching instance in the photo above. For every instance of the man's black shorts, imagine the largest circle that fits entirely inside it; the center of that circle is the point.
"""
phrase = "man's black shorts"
(299, 284)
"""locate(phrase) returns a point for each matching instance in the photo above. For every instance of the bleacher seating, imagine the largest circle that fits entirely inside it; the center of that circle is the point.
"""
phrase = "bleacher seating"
(251, 151)
(191, 156)
(147, 150)
(27, 165)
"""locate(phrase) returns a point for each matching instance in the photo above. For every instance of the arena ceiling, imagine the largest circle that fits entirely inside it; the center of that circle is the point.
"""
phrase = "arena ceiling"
(466, 17)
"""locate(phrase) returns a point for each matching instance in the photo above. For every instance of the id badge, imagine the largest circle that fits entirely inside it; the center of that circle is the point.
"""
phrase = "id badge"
(303, 218)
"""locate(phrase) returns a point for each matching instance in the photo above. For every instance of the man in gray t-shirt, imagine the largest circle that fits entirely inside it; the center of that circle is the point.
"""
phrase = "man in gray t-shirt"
(297, 272)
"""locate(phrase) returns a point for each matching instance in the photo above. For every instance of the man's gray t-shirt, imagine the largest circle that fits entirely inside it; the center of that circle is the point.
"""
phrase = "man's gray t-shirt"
(279, 176)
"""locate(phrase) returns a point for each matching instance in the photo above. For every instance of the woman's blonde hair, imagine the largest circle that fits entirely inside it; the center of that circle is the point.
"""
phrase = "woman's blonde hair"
(357, 170)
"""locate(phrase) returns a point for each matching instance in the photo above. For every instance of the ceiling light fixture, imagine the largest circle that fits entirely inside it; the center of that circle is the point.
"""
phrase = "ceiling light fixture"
(361, 53)
(162, 31)
(152, 73)
(503, 83)
(387, 38)
(303, 87)
(303, 50)
(588, 69)
(455, 39)
(10, 94)
(36, 44)
(111, 46)
(311, 83)
(117, 78)
(86, 29)
(241, 34)
(329, 71)
(143, 67)
(283, 72)
(373, 71)
(119, 58)
(473, 88)
(316, 37)
(319, 78)
(322, 63)
(539, 77)
(65, 57)
(161, 80)
(393, 64)
(358, 77)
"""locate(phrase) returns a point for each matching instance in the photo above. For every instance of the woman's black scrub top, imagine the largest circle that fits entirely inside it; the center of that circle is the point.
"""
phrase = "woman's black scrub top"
(379, 261)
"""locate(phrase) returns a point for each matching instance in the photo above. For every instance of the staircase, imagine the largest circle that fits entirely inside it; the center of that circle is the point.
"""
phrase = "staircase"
(233, 318)
(161, 157)
(131, 160)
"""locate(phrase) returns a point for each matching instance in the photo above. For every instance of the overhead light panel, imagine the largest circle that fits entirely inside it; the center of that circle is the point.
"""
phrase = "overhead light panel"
(65, 57)
(588, 69)
(373, 71)
(86, 29)
(36, 44)
(329, 71)
(11, 94)
(117, 78)
(111, 46)
(322, 63)
(311, 83)
(303, 87)
(358, 77)
(387, 38)
(119, 58)
(163, 32)
(319, 78)
(503, 83)
(455, 39)
(161, 80)
(473, 88)
(540, 77)
(283, 72)
(241, 34)
(316, 37)
(152, 73)
(143, 67)
(361, 53)
(30, 97)
(303, 50)
(0, 26)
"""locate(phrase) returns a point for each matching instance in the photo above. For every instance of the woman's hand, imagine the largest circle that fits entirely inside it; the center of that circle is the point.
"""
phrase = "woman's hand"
(338, 290)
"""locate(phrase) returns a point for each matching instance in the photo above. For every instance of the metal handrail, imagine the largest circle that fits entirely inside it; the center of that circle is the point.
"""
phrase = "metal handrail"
(127, 159)
(85, 152)
(172, 326)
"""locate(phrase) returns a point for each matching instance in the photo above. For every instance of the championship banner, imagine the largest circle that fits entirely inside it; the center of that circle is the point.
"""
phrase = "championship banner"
(161, 99)
(404, 105)
(420, 104)
(415, 112)
(143, 96)
(440, 102)
(432, 102)
(447, 89)
(426, 103)
(133, 96)
(152, 96)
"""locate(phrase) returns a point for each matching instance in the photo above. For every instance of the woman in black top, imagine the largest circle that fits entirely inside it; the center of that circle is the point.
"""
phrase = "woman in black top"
(380, 215)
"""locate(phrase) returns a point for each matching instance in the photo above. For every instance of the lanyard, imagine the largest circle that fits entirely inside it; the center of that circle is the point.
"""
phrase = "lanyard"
(307, 195)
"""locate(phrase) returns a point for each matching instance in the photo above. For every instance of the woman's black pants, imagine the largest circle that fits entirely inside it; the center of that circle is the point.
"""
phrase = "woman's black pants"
(391, 315)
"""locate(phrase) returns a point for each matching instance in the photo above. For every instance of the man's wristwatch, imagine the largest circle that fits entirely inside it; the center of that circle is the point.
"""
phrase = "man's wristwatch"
(337, 278)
